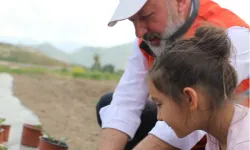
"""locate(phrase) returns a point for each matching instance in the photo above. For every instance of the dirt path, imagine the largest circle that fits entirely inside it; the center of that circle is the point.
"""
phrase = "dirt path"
(66, 107)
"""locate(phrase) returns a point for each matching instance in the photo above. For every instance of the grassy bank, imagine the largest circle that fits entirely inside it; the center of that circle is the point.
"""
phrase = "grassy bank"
(74, 72)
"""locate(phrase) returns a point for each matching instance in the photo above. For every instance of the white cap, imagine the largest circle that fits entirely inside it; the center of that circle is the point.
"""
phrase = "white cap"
(126, 9)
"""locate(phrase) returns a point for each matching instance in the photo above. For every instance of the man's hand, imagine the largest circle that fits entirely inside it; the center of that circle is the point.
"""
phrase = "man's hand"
(151, 142)
(112, 139)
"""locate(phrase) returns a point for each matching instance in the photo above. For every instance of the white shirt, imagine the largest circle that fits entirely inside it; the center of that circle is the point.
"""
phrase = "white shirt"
(238, 133)
(131, 93)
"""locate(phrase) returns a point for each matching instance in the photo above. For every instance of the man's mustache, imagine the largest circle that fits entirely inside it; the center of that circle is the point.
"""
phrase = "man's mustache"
(150, 36)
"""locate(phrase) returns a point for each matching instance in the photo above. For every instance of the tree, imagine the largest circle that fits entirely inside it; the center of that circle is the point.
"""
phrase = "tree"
(108, 68)
(97, 64)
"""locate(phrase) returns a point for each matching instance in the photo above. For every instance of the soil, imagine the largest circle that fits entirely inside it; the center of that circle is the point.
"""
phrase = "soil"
(65, 106)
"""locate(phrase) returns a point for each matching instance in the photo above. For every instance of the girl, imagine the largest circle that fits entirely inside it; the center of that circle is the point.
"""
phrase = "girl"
(193, 83)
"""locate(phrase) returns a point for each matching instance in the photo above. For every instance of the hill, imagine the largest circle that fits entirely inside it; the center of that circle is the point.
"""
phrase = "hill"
(53, 52)
(116, 55)
(27, 55)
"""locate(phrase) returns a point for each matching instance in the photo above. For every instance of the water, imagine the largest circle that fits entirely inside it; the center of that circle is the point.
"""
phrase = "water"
(15, 113)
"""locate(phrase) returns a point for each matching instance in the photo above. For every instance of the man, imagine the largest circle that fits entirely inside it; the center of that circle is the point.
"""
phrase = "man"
(127, 116)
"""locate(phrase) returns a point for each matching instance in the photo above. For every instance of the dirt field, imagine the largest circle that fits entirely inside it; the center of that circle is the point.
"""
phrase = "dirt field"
(66, 107)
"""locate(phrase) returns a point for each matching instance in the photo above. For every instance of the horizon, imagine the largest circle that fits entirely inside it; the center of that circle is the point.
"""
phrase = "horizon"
(74, 24)
(66, 47)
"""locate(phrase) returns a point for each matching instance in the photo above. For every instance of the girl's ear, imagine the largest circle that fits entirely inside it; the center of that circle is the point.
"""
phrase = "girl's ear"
(191, 98)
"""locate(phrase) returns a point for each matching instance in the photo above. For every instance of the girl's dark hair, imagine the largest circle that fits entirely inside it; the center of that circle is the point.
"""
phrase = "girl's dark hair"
(201, 61)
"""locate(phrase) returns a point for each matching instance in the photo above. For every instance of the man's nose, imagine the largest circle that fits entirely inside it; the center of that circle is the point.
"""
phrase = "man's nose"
(140, 29)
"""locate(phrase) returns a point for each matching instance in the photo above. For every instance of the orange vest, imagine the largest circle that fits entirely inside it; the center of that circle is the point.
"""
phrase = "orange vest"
(212, 13)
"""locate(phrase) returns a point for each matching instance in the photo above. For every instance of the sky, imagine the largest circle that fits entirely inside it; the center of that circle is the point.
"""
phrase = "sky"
(73, 23)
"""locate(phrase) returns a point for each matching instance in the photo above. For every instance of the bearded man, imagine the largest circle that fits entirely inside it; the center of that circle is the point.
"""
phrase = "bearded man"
(128, 117)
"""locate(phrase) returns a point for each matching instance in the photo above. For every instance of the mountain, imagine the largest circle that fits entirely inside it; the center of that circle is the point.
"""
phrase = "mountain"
(116, 55)
(27, 55)
(53, 52)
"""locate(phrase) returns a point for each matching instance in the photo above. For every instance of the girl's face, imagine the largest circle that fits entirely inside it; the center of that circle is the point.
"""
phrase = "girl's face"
(182, 116)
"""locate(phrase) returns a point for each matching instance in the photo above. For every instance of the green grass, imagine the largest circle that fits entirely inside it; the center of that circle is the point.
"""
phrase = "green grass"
(97, 75)
(69, 72)
(23, 70)
(26, 55)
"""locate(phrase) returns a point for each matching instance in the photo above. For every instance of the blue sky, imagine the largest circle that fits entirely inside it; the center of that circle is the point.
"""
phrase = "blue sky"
(75, 22)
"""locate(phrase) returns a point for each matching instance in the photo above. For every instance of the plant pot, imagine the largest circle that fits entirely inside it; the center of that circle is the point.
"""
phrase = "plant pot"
(1, 136)
(30, 136)
(46, 144)
(6, 132)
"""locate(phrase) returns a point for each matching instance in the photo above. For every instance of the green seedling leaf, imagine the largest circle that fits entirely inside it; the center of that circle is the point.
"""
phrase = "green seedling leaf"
(62, 140)
(2, 120)
(47, 135)
(38, 126)
(2, 147)
(53, 139)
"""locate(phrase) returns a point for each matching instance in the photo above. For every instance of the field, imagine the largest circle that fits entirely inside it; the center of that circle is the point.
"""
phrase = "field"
(63, 96)
(65, 106)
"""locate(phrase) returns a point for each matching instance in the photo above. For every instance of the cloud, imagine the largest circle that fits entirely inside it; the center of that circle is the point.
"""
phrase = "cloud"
(78, 21)
(75, 21)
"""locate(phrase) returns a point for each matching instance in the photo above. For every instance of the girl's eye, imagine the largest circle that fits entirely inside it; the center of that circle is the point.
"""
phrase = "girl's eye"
(158, 105)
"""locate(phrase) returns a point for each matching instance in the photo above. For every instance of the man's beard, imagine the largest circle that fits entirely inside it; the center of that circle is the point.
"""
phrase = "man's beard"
(173, 24)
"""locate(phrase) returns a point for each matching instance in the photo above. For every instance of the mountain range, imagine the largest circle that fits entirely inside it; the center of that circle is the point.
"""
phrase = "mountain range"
(117, 55)
(26, 55)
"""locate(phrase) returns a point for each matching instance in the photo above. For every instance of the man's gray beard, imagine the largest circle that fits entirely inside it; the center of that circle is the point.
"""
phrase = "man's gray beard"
(170, 30)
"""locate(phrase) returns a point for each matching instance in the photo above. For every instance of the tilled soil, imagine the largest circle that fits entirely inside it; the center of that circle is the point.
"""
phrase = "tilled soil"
(66, 107)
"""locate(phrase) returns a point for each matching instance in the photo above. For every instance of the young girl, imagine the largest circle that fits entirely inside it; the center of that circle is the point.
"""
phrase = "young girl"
(193, 83)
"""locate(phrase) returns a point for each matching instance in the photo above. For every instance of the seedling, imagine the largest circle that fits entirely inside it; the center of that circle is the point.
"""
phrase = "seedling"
(2, 120)
(38, 126)
(47, 135)
(53, 139)
(2, 147)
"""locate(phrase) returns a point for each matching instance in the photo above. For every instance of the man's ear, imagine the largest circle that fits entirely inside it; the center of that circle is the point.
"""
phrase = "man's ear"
(181, 6)
(191, 98)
